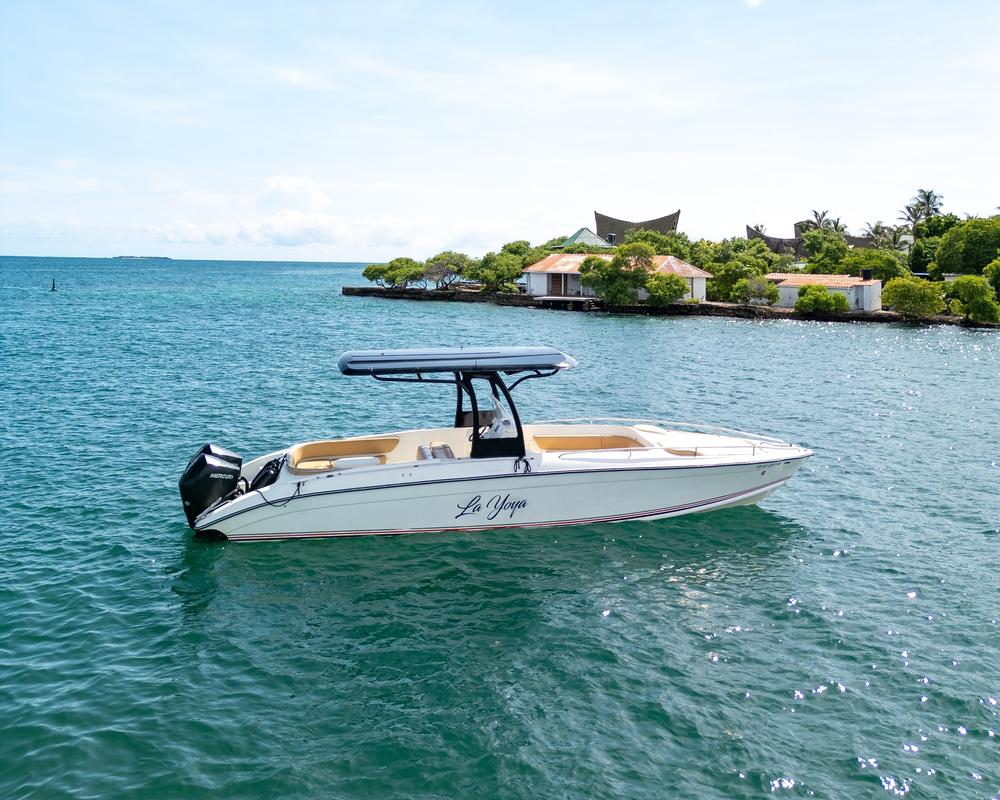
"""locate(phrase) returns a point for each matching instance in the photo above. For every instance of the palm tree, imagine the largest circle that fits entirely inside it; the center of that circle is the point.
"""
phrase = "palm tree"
(928, 201)
(819, 219)
(894, 237)
(911, 215)
(836, 225)
(877, 232)
(759, 228)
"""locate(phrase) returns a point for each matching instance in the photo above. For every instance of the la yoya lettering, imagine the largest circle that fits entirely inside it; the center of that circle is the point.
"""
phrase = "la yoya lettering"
(493, 508)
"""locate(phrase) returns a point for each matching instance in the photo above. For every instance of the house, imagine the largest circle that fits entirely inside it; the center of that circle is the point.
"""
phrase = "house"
(863, 294)
(557, 276)
(583, 236)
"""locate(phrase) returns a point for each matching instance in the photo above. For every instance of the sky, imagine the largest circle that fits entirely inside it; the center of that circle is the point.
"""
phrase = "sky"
(361, 131)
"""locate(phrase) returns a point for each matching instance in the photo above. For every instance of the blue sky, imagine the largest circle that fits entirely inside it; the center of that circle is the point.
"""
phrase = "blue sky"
(361, 131)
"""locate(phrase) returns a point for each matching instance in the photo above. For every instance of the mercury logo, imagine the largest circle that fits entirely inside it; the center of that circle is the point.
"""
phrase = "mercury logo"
(222, 475)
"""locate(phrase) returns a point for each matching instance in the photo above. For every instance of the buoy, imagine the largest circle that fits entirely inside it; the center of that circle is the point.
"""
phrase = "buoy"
(53, 284)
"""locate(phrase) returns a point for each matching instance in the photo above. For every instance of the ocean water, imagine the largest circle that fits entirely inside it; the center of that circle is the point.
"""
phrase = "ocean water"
(840, 640)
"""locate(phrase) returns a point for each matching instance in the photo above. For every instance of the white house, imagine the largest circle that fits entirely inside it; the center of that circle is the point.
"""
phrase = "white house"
(862, 294)
(557, 276)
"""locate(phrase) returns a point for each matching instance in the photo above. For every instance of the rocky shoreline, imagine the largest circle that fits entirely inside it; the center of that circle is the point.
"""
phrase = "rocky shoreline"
(703, 309)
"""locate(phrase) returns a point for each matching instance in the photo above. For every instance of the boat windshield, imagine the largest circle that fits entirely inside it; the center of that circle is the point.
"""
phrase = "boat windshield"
(497, 421)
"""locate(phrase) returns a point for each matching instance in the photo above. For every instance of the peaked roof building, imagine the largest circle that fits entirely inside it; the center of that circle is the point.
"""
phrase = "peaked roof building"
(583, 236)
(617, 228)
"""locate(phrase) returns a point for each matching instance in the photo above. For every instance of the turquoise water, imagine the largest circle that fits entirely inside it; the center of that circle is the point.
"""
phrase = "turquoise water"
(841, 640)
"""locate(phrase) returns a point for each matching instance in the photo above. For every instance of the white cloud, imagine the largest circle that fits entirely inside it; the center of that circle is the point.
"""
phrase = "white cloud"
(184, 231)
(291, 228)
(752, 3)
(292, 191)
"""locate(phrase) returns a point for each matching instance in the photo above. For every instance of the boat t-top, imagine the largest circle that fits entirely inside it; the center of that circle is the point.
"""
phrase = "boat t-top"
(487, 471)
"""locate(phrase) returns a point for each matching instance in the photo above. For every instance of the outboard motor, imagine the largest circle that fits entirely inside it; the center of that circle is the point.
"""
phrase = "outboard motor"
(210, 475)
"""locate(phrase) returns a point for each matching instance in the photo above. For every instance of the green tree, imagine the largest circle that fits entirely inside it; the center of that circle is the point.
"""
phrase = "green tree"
(814, 299)
(519, 247)
(703, 252)
(967, 248)
(877, 231)
(976, 298)
(725, 277)
(992, 274)
(825, 247)
(497, 272)
(665, 288)
(523, 250)
(820, 220)
(446, 267)
(911, 215)
(732, 260)
(618, 279)
(403, 272)
(928, 202)
(749, 251)
(884, 264)
(922, 254)
(937, 225)
(400, 272)
(755, 291)
(663, 244)
(894, 237)
(913, 298)
(376, 273)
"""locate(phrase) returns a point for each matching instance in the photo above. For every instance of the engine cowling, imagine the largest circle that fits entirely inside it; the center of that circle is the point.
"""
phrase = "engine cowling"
(211, 474)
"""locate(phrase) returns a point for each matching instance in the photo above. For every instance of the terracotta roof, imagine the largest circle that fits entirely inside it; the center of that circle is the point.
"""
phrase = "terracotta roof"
(793, 279)
(569, 263)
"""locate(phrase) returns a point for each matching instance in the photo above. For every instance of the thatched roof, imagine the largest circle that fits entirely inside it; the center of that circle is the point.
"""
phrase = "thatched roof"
(619, 227)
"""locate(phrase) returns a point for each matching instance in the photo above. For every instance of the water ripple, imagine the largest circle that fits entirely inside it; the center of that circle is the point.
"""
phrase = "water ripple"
(841, 641)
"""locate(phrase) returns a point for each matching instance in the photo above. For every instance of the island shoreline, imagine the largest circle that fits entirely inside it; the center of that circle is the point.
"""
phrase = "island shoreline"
(702, 309)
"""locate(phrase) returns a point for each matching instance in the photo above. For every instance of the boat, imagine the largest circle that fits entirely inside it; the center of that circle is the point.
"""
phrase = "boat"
(486, 472)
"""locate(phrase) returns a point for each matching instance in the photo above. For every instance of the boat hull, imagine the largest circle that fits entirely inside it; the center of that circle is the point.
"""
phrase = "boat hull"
(539, 499)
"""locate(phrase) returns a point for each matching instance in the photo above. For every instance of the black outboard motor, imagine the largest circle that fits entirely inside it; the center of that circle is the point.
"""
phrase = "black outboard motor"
(210, 475)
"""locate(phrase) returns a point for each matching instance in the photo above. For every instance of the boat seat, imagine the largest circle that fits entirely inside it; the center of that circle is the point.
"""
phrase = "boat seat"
(326, 464)
(584, 442)
(314, 465)
(324, 455)
(435, 451)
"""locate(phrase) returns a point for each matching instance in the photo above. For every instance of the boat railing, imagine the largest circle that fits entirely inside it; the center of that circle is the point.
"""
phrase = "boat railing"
(754, 441)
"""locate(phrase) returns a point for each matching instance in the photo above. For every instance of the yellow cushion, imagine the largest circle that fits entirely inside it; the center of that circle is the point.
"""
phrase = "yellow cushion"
(584, 442)
(302, 456)
(315, 464)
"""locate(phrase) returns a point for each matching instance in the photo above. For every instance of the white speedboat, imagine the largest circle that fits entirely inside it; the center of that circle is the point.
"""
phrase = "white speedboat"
(488, 471)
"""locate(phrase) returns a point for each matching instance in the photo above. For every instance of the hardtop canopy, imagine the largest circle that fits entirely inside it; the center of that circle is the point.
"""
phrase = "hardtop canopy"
(506, 360)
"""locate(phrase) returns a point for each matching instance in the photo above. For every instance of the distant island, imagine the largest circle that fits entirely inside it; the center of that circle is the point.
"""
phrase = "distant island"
(144, 258)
